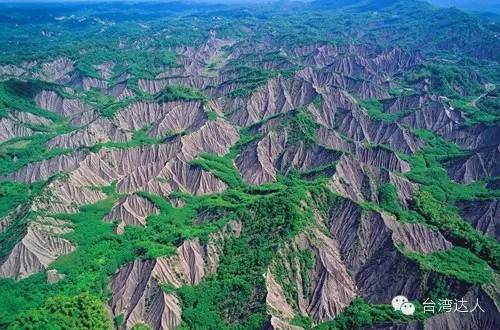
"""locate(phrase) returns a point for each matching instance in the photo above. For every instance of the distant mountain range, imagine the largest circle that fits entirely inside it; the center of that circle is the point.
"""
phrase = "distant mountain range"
(485, 5)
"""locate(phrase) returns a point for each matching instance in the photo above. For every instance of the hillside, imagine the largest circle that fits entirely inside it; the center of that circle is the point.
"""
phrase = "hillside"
(271, 166)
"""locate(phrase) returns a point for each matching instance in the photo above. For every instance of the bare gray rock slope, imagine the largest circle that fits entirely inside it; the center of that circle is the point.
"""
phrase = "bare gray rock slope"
(326, 291)
(483, 215)
(11, 129)
(40, 245)
(347, 262)
(299, 109)
(379, 269)
(135, 288)
(131, 210)
(260, 161)
(159, 169)
(361, 181)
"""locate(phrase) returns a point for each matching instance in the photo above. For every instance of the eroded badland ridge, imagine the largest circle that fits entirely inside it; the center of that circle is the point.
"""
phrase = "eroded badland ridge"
(281, 166)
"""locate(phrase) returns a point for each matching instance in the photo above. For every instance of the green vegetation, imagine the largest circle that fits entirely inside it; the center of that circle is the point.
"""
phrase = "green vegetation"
(301, 126)
(212, 115)
(222, 167)
(361, 314)
(302, 321)
(462, 82)
(251, 78)
(138, 63)
(105, 104)
(457, 262)
(451, 80)
(306, 260)
(139, 138)
(101, 251)
(435, 201)
(178, 93)
(318, 101)
(375, 110)
(82, 311)
(426, 170)
(235, 295)
(142, 40)
(18, 95)
(12, 194)
(455, 229)
(481, 109)
(388, 201)
(18, 152)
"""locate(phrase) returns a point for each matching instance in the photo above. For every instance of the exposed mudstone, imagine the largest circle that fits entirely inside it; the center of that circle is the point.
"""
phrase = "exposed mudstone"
(348, 264)
(10, 129)
(42, 170)
(351, 250)
(259, 162)
(120, 91)
(136, 288)
(105, 69)
(278, 96)
(361, 182)
(329, 287)
(160, 169)
(29, 118)
(478, 165)
(358, 126)
(101, 130)
(57, 71)
(165, 118)
(368, 244)
(53, 276)
(52, 101)
(9, 70)
(39, 246)
(256, 162)
(132, 210)
(484, 215)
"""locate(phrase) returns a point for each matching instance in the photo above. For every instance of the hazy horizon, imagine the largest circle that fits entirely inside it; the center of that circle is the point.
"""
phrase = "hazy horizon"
(481, 5)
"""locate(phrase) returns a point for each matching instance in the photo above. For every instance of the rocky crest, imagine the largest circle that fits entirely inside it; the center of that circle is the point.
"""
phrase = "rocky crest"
(136, 288)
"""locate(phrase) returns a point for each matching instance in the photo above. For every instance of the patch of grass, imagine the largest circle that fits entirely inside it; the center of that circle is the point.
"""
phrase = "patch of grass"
(426, 170)
(13, 158)
(458, 231)
(484, 111)
(235, 295)
(388, 201)
(105, 104)
(220, 166)
(18, 95)
(302, 321)
(14, 193)
(180, 93)
(375, 111)
(286, 277)
(301, 126)
(139, 138)
(457, 262)
(251, 78)
(360, 314)
(212, 115)
(83, 311)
